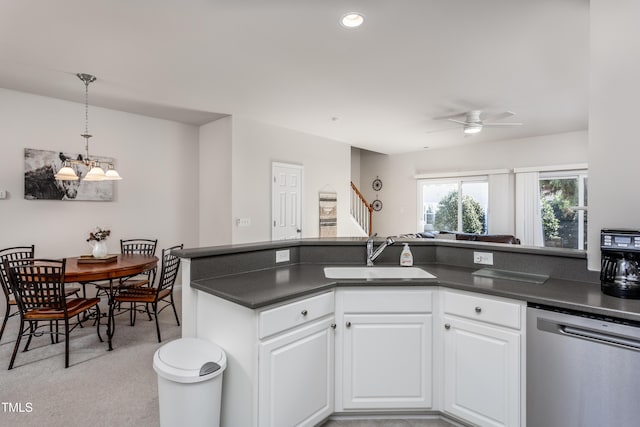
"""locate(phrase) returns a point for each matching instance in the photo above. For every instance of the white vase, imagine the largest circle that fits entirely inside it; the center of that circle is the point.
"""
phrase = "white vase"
(99, 249)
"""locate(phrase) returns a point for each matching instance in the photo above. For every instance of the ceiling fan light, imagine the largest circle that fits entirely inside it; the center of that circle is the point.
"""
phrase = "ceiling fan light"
(472, 128)
(95, 174)
(66, 173)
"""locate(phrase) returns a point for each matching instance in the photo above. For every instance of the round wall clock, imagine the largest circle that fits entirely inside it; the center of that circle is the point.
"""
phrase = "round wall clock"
(376, 205)
(377, 184)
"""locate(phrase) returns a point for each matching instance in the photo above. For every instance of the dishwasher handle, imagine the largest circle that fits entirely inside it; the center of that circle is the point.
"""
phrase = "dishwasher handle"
(568, 328)
(599, 337)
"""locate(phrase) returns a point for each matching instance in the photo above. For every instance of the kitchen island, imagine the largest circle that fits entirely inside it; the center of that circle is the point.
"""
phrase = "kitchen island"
(288, 329)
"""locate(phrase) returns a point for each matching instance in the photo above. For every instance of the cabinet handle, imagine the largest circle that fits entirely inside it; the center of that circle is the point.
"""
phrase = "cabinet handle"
(447, 326)
(304, 312)
(348, 324)
(333, 326)
(478, 310)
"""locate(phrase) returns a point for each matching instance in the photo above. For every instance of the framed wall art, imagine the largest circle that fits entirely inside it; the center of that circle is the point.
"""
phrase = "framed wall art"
(40, 184)
(328, 214)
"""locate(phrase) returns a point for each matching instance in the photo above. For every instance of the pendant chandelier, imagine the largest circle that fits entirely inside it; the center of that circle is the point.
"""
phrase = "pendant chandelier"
(96, 171)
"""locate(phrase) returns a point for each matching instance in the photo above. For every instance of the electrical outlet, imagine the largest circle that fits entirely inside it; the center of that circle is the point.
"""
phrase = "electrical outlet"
(483, 258)
(282, 256)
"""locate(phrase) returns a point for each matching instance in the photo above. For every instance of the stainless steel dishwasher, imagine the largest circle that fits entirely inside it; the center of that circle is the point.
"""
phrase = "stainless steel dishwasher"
(582, 370)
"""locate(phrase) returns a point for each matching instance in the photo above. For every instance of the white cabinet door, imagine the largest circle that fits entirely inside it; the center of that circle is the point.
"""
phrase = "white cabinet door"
(296, 376)
(387, 361)
(481, 372)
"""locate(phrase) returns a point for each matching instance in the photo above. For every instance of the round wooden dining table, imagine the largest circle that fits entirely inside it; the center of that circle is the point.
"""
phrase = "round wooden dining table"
(84, 271)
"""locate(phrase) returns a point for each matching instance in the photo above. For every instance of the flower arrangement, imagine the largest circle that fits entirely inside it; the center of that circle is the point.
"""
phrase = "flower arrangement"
(99, 234)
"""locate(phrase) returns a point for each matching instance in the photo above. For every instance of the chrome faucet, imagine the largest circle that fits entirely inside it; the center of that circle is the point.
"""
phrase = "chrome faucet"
(371, 254)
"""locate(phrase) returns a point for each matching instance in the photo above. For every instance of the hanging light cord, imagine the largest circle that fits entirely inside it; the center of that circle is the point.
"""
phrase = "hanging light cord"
(86, 79)
(96, 173)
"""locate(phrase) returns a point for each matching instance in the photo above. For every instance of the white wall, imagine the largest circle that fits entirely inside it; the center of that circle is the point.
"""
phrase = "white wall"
(326, 168)
(397, 172)
(355, 166)
(150, 202)
(215, 183)
(614, 150)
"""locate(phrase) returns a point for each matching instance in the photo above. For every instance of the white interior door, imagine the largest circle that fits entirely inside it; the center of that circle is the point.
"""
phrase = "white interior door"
(286, 195)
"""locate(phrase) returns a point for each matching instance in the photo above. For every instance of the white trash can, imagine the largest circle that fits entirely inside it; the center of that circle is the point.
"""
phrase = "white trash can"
(189, 382)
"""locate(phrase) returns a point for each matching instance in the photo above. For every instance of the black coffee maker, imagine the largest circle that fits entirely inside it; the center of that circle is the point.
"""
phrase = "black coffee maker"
(620, 266)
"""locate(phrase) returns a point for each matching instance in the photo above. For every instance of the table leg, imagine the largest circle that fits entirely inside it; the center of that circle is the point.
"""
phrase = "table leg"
(110, 319)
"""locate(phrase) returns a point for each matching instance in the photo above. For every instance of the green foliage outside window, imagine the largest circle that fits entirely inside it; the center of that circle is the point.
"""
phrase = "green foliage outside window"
(559, 220)
(550, 224)
(473, 217)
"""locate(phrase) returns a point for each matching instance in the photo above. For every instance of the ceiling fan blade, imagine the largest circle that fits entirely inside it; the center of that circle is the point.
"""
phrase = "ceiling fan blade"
(457, 121)
(450, 116)
(440, 130)
(502, 124)
(499, 116)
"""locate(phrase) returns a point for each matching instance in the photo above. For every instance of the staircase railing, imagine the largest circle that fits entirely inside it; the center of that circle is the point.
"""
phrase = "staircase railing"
(361, 210)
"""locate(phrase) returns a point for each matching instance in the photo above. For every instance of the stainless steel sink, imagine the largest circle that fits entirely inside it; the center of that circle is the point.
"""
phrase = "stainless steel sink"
(376, 273)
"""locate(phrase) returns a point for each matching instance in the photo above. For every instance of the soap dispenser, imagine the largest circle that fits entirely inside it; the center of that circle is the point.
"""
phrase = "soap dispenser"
(406, 257)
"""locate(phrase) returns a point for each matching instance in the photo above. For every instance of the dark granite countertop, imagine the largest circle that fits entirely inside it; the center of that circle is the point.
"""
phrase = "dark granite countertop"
(260, 288)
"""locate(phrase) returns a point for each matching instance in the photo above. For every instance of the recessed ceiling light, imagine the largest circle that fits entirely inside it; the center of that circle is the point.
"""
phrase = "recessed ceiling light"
(352, 20)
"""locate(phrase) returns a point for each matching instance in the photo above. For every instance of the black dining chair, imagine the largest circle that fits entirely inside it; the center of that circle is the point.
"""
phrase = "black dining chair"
(131, 247)
(39, 289)
(12, 254)
(153, 296)
(142, 247)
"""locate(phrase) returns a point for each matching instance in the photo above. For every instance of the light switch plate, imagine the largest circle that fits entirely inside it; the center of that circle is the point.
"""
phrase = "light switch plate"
(3, 194)
(243, 222)
(282, 256)
(483, 258)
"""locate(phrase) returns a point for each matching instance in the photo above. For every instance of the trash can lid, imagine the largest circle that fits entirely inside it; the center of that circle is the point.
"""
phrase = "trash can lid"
(189, 360)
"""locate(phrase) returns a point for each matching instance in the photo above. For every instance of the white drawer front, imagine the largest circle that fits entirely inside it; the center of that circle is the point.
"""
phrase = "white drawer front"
(390, 300)
(490, 310)
(297, 313)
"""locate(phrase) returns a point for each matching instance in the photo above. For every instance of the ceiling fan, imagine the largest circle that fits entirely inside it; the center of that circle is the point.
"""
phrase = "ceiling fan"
(474, 121)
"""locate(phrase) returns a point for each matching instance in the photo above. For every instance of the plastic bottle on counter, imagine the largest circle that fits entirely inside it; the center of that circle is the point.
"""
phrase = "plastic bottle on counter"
(406, 257)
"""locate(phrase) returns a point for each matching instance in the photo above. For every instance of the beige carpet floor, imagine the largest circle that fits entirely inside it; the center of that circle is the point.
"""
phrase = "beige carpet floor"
(100, 387)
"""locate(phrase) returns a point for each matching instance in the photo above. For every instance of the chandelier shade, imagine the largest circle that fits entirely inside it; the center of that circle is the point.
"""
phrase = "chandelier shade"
(66, 173)
(96, 173)
(95, 166)
(112, 175)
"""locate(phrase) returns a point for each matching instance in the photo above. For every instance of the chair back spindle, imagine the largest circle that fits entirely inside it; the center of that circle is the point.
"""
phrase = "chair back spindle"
(12, 254)
(138, 246)
(38, 283)
(170, 266)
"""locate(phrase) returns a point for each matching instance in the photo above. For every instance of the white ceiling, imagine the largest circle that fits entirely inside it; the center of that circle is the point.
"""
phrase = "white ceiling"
(289, 63)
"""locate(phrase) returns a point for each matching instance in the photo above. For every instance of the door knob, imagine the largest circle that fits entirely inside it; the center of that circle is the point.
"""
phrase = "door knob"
(478, 310)
(348, 324)
(447, 326)
(304, 312)
(333, 326)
